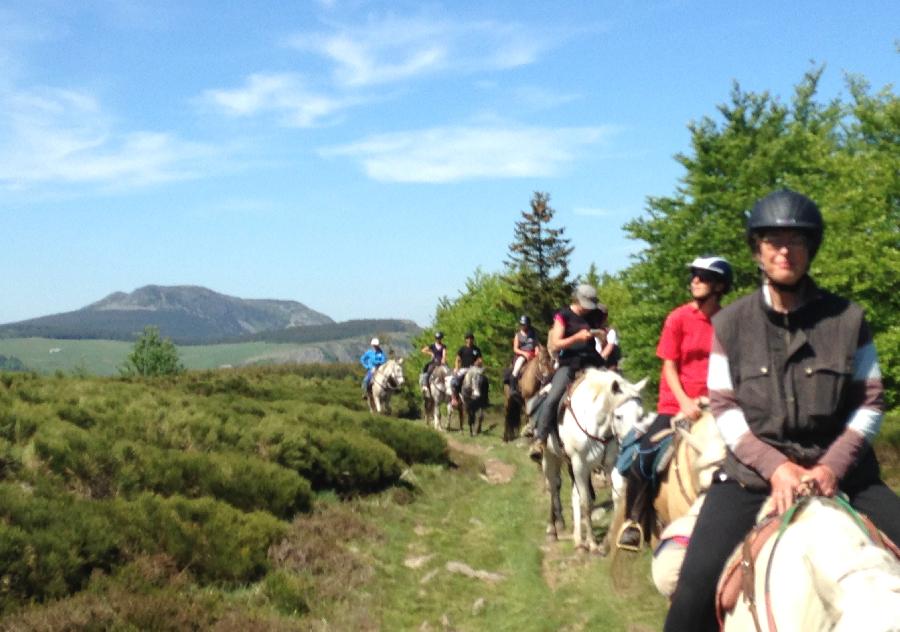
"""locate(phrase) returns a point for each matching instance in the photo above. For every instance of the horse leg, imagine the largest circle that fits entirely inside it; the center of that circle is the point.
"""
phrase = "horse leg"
(553, 474)
(582, 484)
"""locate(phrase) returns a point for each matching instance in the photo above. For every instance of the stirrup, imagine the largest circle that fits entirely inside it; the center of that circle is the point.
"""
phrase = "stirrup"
(628, 524)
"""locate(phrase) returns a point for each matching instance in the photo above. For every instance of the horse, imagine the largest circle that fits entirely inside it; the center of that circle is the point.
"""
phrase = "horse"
(699, 452)
(386, 380)
(533, 375)
(822, 570)
(474, 398)
(436, 392)
(600, 410)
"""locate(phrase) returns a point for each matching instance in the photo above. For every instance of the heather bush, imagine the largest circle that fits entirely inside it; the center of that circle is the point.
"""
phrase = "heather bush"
(215, 541)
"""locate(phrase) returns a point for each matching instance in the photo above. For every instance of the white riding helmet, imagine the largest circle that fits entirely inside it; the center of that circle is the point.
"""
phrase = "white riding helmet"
(718, 266)
(375, 342)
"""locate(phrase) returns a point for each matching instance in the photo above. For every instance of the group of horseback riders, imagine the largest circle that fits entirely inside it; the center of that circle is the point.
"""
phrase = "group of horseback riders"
(790, 373)
(467, 356)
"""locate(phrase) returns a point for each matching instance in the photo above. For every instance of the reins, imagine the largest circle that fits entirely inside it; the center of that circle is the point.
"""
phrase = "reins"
(385, 384)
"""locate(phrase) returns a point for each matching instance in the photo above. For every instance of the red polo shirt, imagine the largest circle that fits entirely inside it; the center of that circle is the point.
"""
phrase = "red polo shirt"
(686, 339)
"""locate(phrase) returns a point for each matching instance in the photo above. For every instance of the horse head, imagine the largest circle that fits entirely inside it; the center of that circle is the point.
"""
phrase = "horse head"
(706, 441)
(473, 382)
(393, 371)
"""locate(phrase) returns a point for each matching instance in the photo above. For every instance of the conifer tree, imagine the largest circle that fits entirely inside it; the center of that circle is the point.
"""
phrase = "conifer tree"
(538, 264)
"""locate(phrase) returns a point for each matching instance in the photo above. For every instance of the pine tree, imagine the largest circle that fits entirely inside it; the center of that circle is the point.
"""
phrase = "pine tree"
(538, 264)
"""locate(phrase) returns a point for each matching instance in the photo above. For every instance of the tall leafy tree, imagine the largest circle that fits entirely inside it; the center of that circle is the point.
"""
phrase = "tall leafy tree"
(538, 264)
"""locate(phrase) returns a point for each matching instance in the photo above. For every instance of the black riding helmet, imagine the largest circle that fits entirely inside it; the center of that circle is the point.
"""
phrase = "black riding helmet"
(786, 209)
(439, 335)
(524, 320)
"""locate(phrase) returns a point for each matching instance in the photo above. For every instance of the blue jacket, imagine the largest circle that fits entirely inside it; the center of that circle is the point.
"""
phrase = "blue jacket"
(372, 358)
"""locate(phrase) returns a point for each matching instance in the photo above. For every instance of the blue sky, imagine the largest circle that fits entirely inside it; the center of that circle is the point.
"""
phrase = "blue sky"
(364, 158)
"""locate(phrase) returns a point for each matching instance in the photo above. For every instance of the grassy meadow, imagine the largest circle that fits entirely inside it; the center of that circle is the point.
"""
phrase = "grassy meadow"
(104, 357)
(269, 499)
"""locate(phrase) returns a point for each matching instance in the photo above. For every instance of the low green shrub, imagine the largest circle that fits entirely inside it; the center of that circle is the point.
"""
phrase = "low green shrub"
(334, 460)
(215, 541)
(243, 481)
(289, 593)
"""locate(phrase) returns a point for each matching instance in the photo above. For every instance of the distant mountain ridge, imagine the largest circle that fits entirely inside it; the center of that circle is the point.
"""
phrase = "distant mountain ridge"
(187, 314)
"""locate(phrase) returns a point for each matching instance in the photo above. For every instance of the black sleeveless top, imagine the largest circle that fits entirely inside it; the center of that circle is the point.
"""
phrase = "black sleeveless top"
(527, 339)
(583, 354)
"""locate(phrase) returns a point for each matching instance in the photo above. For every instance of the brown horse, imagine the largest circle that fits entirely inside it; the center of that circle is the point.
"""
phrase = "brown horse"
(698, 453)
(536, 372)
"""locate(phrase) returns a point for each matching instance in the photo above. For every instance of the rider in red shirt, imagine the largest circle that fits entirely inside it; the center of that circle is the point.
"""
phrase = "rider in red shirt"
(684, 347)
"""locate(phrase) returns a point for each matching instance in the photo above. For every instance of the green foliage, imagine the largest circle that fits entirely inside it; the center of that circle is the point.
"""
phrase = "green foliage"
(202, 468)
(843, 155)
(480, 307)
(152, 356)
(214, 540)
(538, 265)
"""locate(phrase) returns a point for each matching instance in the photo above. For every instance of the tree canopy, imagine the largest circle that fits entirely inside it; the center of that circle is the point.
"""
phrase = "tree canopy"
(152, 355)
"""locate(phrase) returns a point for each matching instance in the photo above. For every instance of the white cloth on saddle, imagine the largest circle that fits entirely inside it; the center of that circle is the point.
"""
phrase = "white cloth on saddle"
(669, 554)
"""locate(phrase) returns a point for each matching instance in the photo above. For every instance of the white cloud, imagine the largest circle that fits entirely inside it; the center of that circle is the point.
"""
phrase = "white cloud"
(283, 94)
(63, 136)
(451, 154)
(394, 49)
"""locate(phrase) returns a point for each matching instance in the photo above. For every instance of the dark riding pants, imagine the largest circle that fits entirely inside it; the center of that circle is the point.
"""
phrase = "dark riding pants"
(547, 417)
(728, 514)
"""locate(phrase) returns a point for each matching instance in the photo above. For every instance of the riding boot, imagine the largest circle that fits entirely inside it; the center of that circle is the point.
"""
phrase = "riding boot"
(639, 513)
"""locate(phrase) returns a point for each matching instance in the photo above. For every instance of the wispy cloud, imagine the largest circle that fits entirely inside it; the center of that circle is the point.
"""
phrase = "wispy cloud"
(393, 49)
(452, 154)
(63, 136)
(284, 95)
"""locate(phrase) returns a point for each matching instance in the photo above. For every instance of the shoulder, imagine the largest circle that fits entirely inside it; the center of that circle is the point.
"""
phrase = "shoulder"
(729, 318)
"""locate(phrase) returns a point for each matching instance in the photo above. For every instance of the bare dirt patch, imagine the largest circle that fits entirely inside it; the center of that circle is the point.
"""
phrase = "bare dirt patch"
(496, 472)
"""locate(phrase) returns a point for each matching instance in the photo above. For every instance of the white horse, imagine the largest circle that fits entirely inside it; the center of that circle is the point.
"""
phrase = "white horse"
(601, 410)
(436, 392)
(386, 380)
(825, 572)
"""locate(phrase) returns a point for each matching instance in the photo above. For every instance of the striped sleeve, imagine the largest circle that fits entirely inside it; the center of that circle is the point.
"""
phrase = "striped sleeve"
(866, 394)
(746, 446)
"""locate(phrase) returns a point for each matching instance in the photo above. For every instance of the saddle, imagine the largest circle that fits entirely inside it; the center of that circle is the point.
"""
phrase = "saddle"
(739, 576)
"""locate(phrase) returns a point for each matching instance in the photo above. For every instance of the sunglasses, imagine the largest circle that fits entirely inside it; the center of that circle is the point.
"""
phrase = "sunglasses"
(705, 276)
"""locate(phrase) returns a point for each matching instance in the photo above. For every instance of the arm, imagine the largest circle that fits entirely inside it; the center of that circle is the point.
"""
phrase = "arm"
(516, 350)
(783, 476)
(611, 341)
(689, 407)
(866, 395)
(555, 340)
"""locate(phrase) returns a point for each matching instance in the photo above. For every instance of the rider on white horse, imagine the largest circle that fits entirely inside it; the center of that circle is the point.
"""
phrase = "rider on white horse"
(371, 360)
(438, 352)
(796, 389)
(573, 336)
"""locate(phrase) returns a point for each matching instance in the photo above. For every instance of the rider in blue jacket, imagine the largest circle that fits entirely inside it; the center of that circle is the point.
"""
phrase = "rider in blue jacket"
(371, 360)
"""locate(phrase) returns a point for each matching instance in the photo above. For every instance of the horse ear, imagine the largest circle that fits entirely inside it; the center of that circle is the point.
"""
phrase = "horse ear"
(640, 385)
(400, 361)
(615, 387)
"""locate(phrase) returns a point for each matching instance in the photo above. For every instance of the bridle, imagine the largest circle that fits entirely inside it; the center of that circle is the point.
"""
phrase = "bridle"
(610, 429)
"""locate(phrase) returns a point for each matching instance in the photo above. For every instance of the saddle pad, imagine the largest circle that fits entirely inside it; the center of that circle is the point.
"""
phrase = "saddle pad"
(732, 581)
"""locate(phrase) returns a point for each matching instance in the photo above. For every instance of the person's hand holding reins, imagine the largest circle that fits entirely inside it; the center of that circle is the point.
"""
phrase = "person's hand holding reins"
(824, 477)
(785, 480)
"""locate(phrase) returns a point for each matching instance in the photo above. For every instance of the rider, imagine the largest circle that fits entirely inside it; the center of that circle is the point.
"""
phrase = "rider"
(573, 337)
(468, 355)
(609, 349)
(525, 344)
(797, 394)
(371, 360)
(438, 352)
(684, 347)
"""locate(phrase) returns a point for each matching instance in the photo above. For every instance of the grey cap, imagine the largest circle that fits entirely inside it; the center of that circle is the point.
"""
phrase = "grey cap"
(586, 295)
